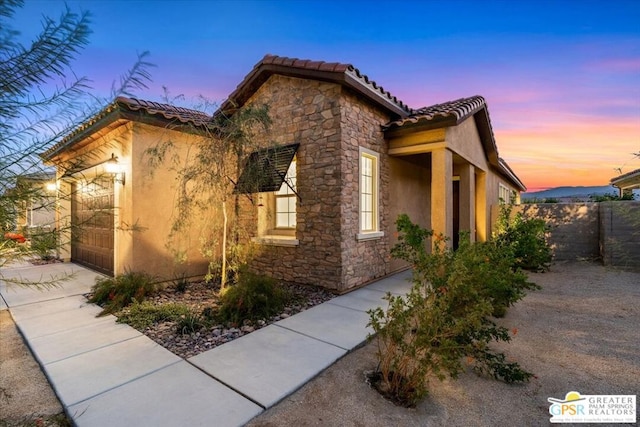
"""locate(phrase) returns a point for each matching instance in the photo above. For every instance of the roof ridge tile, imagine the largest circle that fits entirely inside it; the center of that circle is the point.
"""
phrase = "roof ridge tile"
(333, 67)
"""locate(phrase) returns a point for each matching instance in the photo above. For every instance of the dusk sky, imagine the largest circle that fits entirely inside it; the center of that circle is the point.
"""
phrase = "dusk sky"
(561, 78)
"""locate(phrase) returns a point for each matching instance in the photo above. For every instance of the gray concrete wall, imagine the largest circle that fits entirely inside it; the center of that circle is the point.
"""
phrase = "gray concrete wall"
(609, 231)
(620, 234)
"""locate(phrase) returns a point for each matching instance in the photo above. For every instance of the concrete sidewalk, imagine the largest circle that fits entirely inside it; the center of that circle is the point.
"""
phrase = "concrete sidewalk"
(107, 374)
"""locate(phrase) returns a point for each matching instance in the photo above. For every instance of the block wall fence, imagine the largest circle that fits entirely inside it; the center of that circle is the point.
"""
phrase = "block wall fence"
(606, 231)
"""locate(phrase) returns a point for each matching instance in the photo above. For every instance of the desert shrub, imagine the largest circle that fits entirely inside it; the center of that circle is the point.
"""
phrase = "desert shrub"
(210, 314)
(446, 318)
(44, 243)
(144, 314)
(611, 197)
(181, 283)
(191, 322)
(493, 269)
(115, 293)
(541, 200)
(525, 237)
(254, 297)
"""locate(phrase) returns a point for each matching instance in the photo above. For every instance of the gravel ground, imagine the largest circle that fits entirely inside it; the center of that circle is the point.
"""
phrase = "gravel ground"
(579, 333)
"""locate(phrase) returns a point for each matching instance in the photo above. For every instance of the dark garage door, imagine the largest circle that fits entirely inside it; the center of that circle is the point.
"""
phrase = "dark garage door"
(92, 225)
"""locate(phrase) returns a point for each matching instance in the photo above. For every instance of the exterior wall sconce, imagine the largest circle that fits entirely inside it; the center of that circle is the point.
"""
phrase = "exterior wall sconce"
(51, 186)
(114, 168)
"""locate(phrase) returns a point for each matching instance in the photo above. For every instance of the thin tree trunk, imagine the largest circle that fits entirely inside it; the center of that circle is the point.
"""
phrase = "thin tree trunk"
(223, 273)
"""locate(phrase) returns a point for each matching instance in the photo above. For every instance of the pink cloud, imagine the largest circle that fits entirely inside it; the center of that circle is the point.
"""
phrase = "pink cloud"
(573, 152)
(628, 65)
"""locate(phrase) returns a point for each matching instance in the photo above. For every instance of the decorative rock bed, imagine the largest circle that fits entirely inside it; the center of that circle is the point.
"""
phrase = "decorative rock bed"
(200, 295)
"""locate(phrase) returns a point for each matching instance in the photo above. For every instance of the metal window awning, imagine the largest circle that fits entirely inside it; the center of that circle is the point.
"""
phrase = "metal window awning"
(266, 169)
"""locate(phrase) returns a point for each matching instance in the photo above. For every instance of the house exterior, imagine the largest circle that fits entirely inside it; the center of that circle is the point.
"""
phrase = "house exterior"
(35, 199)
(120, 220)
(627, 182)
(346, 158)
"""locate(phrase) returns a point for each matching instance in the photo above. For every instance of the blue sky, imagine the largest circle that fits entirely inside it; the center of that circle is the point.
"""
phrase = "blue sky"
(561, 78)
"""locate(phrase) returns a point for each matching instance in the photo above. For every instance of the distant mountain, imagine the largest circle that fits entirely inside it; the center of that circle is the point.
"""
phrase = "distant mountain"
(574, 192)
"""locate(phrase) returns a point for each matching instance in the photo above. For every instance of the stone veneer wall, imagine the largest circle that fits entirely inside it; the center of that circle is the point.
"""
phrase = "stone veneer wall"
(330, 123)
(366, 260)
(307, 112)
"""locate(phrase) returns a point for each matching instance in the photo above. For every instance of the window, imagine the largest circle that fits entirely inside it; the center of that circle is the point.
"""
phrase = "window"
(504, 194)
(369, 173)
(286, 200)
(265, 169)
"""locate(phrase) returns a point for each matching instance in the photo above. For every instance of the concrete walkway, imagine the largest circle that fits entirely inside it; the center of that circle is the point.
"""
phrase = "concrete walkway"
(107, 374)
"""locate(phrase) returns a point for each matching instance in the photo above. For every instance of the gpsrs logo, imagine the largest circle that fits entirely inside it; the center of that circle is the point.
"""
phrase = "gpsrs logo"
(569, 406)
(577, 408)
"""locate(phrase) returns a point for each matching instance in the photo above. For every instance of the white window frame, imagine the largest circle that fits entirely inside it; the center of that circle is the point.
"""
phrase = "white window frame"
(502, 191)
(371, 184)
(286, 193)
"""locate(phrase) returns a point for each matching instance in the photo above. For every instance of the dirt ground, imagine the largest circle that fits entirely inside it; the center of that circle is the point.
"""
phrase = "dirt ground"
(25, 393)
(579, 333)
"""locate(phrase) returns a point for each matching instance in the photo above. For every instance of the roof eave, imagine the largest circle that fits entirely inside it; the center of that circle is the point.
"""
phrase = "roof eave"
(349, 78)
(111, 117)
(105, 121)
(629, 176)
(509, 173)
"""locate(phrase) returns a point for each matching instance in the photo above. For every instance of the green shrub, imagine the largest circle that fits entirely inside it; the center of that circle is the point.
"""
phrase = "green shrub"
(115, 293)
(446, 317)
(181, 283)
(44, 243)
(254, 297)
(611, 197)
(145, 314)
(493, 269)
(526, 238)
(191, 322)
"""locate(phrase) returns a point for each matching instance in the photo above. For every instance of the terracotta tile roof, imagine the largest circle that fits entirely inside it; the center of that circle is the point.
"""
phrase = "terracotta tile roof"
(345, 74)
(453, 113)
(457, 110)
(629, 176)
(169, 112)
(123, 107)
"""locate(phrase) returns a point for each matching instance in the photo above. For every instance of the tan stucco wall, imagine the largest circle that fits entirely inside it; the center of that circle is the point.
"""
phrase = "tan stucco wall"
(465, 141)
(409, 193)
(144, 206)
(479, 181)
(150, 197)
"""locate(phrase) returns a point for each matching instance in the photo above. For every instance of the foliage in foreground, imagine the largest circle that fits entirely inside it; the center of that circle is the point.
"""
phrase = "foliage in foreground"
(44, 243)
(255, 297)
(446, 319)
(525, 238)
(115, 293)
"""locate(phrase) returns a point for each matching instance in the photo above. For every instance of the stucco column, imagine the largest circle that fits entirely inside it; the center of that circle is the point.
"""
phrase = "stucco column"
(63, 219)
(468, 200)
(481, 207)
(442, 192)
